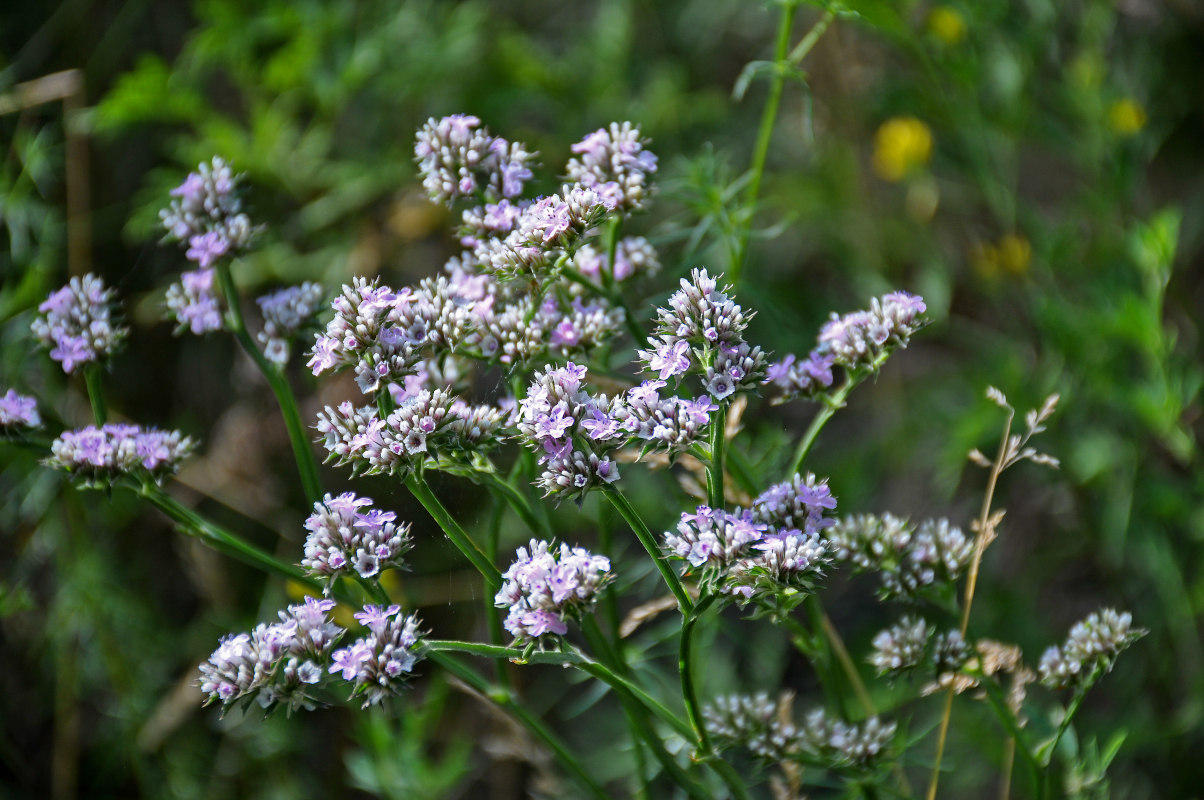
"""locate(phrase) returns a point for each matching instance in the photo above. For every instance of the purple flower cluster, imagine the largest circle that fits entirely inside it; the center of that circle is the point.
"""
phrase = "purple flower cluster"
(745, 557)
(543, 230)
(346, 534)
(429, 424)
(634, 255)
(614, 156)
(908, 558)
(457, 157)
(18, 411)
(797, 503)
(545, 586)
(703, 329)
(714, 536)
(756, 553)
(276, 663)
(97, 455)
(284, 313)
(383, 334)
(1090, 650)
(556, 419)
(380, 662)
(671, 422)
(76, 322)
(860, 340)
(193, 302)
(205, 215)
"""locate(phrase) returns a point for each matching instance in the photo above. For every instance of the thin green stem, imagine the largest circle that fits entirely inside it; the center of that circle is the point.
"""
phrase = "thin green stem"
(307, 465)
(505, 700)
(715, 494)
(419, 488)
(516, 500)
(689, 693)
(831, 404)
(642, 533)
(496, 632)
(96, 396)
(219, 538)
(764, 136)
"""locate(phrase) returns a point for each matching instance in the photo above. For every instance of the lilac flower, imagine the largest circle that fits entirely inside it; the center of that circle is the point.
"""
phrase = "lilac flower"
(76, 323)
(703, 321)
(205, 214)
(457, 157)
(381, 662)
(275, 663)
(95, 456)
(428, 424)
(799, 503)
(860, 340)
(713, 536)
(785, 559)
(670, 358)
(206, 248)
(346, 534)
(634, 255)
(285, 312)
(193, 303)
(18, 411)
(805, 378)
(615, 155)
(544, 587)
(670, 422)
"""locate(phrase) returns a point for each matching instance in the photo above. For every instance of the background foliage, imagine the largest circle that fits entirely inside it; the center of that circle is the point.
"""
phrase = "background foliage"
(1055, 229)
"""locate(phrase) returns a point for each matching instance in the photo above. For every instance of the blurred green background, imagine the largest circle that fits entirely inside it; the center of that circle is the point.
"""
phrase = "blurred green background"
(1033, 169)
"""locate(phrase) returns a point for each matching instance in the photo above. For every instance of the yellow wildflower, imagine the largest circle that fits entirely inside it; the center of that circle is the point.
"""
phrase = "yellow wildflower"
(1014, 253)
(1126, 117)
(901, 145)
(947, 24)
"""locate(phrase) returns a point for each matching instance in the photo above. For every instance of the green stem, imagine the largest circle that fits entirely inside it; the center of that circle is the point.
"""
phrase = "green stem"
(517, 501)
(419, 488)
(219, 538)
(307, 466)
(831, 404)
(496, 631)
(505, 700)
(96, 395)
(642, 533)
(715, 494)
(689, 694)
(999, 705)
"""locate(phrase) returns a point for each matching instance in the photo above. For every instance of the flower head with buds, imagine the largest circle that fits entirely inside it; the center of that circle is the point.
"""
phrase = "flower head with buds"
(381, 662)
(1090, 650)
(286, 312)
(18, 412)
(193, 303)
(347, 535)
(909, 559)
(614, 157)
(77, 323)
(276, 663)
(548, 585)
(205, 215)
(458, 157)
(95, 456)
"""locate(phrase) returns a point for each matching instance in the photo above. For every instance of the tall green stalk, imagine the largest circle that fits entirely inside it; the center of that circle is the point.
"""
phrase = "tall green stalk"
(307, 465)
(782, 61)
(624, 507)
(419, 488)
(96, 397)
